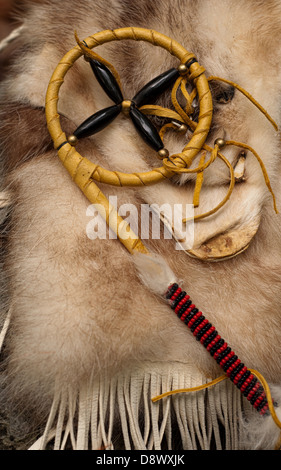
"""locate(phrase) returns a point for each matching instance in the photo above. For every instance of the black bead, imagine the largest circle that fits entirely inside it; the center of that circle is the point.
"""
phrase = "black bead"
(216, 346)
(210, 338)
(230, 362)
(236, 371)
(181, 296)
(171, 291)
(250, 386)
(190, 315)
(97, 121)
(184, 307)
(248, 389)
(194, 310)
(203, 331)
(107, 81)
(223, 354)
(146, 129)
(256, 396)
(155, 87)
(242, 379)
(178, 299)
(262, 404)
(197, 323)
(188, 318)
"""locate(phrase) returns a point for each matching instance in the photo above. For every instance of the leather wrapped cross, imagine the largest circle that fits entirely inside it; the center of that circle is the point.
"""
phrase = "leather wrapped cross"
(104, 117)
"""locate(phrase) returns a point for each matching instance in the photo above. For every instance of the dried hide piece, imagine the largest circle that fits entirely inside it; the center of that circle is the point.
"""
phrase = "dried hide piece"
(89, 341)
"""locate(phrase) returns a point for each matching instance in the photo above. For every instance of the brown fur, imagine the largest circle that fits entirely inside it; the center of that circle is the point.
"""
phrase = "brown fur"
(24, 134)
(26, 141)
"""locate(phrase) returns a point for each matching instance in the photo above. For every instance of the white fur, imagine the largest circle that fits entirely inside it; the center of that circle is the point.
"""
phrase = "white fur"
(154, 272)
(262, 433)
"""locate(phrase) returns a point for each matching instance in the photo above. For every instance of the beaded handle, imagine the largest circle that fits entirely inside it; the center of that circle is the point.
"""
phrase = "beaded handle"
(208, 336)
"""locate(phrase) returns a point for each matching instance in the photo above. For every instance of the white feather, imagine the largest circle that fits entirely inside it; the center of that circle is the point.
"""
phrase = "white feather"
(154, 272)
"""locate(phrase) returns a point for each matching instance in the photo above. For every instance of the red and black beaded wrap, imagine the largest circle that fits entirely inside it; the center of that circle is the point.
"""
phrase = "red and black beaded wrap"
(208, 336)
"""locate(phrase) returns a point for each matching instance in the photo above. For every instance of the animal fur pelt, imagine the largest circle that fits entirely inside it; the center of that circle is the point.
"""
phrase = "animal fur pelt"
(88, 342)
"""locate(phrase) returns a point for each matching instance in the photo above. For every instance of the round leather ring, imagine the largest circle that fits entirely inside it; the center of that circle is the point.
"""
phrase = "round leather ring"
(68, 154)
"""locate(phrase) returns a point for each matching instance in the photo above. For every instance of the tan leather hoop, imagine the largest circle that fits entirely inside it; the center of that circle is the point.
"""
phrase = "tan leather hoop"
(73, 161)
